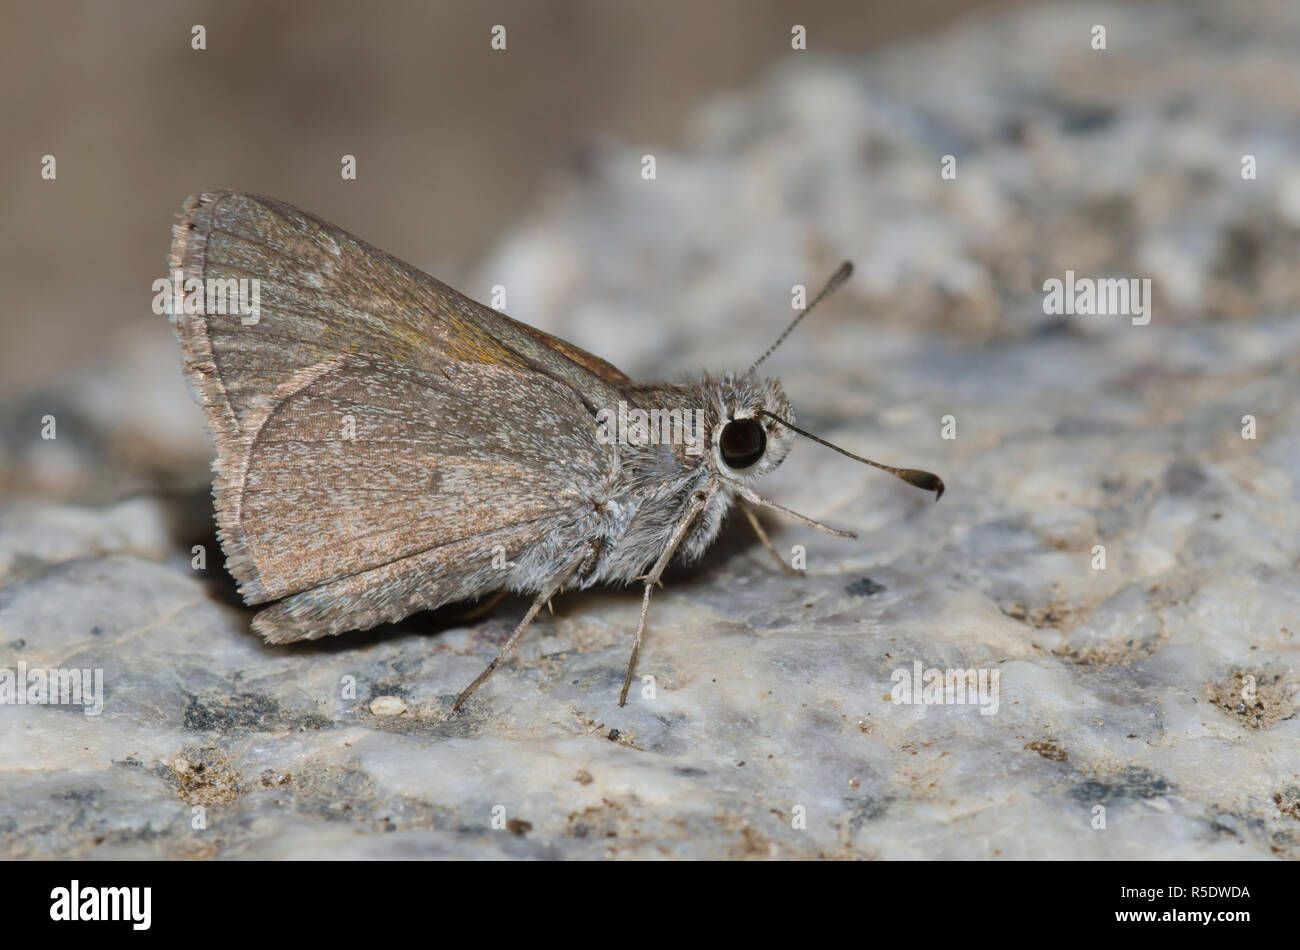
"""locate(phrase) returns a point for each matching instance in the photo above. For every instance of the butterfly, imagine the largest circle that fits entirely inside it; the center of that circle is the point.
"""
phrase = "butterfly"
(387, 445)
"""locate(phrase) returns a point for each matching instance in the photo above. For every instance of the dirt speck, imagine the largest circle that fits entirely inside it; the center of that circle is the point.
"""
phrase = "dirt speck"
(1258, 699)
(203, 775)
(272, 778)
(1288, 801)
(1048, 750)
(864, 587)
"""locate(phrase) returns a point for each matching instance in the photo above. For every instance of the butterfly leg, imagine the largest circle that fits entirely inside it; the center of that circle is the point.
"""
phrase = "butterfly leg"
(762, 536)
(543, 599)
(749, 496)
(698, 502)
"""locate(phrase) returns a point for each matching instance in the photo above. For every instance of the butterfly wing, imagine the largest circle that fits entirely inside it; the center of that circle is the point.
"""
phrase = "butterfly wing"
(384, 444)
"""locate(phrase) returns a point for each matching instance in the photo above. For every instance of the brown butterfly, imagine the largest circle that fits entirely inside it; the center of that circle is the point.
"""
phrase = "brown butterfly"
(387, 445)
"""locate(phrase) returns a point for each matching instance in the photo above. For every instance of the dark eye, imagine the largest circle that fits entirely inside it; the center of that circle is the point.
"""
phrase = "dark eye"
(743, 442)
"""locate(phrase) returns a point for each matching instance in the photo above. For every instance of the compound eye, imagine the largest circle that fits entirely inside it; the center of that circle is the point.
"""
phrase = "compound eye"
(742, 443)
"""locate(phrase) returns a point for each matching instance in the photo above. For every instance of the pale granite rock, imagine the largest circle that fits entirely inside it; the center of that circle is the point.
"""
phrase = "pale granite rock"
(1157, 693)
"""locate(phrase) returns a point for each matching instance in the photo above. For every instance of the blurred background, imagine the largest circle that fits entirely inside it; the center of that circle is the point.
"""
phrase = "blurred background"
(453, 139)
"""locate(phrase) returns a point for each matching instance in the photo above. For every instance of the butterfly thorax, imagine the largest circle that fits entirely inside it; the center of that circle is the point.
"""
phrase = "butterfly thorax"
(665, 448)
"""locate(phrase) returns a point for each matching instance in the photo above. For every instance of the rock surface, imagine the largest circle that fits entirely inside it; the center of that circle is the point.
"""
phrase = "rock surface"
(1145, 708)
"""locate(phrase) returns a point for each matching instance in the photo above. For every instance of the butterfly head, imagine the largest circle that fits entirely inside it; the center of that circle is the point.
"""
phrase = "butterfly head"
(744, 439)
(753, 425)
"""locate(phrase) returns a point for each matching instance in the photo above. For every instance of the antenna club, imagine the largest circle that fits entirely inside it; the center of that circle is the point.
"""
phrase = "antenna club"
(913, 476)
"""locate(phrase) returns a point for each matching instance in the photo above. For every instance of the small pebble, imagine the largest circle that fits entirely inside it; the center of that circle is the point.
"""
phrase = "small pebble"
(387, 706)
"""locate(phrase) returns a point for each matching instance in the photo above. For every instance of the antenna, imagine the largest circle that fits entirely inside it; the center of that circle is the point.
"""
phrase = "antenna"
(844, 272)
(913, 476)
